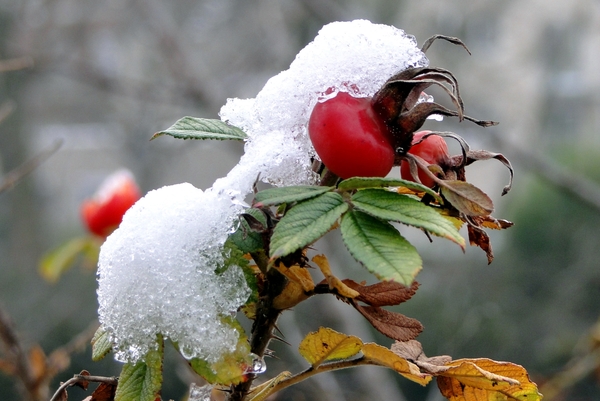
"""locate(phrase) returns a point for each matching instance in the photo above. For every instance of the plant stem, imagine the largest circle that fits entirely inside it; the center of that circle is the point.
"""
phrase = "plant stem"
(297, 378)
(264, 323)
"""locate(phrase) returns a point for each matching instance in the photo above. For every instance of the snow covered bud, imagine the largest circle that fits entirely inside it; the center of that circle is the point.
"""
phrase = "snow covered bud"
(103, 213)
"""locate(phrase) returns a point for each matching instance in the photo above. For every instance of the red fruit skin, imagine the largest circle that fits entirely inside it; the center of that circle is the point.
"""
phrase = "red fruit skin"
(103, 214)
(432, 149)
(349, 137)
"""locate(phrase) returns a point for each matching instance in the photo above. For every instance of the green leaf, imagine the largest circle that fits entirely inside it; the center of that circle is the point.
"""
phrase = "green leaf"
(467, 198)
(101, 344)
(142, 381)
(245, 238)
(306, 222)
(230, 369)
(376, 182)
(380, 248)
(276, 196)
(202, 128)
(61, 259)
(393, 206)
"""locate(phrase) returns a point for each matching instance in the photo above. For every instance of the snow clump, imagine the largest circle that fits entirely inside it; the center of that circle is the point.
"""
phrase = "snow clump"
(156, 271)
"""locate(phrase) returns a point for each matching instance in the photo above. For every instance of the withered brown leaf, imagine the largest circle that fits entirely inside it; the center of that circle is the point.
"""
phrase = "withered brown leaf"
(478, 237)
(413, 351)
(104, 392)
(384, 293)
(391, 324)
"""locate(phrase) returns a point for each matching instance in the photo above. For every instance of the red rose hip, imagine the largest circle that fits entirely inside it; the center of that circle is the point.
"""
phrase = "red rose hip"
(350, 138)
(103, 213)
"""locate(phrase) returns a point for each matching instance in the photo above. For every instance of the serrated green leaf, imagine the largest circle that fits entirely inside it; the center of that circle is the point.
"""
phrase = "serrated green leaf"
(244, 237)
(142, 381)
(230, 369)
(61, 259)
(202, 128)
(393, 206)
(376, 182)
(380, 248)
(306, 222)
(467, 198)
(276, 196)
(101, 344)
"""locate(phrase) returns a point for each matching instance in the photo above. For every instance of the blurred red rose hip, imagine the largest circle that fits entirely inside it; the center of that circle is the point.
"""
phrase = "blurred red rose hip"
(103, 213)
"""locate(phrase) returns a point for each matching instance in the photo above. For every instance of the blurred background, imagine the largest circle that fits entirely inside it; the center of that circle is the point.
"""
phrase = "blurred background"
(103, 76)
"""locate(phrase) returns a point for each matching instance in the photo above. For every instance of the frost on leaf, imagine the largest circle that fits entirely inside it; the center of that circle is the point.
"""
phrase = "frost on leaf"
(157, 275)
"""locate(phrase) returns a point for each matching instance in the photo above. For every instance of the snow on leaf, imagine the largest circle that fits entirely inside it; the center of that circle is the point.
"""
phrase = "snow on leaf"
(380, 248)
(231, 366)
(327, 345)
(202, 128)
(142, 381)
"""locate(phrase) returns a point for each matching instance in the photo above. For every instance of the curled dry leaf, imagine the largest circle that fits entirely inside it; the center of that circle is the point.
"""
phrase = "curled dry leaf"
(467, 198)
(383, 293)
(413, 351)
(384, 357)
(391, 324)
(478, 237)
(475, 155)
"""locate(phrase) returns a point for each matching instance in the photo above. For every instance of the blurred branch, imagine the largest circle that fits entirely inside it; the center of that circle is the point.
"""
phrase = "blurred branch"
(6, 109)
(81, 381)
(575, 184)
(14, 351)
(15, 64)
(577, 369)
(17, 174)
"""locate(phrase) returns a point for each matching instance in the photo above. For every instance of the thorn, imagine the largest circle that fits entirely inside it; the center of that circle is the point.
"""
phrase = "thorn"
(274, 337)
(279, 331)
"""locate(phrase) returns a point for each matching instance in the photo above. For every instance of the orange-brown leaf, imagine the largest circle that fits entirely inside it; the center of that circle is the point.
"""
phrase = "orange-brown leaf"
(383, 293)
(486, 380)
(391, 324)
(385, 357)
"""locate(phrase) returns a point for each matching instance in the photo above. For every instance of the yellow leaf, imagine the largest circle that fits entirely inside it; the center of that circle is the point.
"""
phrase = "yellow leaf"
(298, 275)
(327, 344)
(291, 296)
(385, 357)
(332, 281)
(486, 380)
